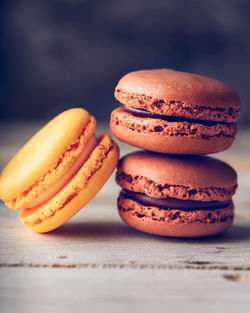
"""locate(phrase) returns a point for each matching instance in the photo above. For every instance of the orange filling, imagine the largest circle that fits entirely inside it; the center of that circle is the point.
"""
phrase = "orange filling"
(62, 181)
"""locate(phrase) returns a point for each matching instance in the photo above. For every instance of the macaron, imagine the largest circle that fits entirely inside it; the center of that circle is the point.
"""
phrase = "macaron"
(177, 196)
(58, 170)
(175, 112)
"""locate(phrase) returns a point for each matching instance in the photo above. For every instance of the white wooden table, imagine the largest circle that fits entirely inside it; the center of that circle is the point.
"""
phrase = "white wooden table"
(96, 263)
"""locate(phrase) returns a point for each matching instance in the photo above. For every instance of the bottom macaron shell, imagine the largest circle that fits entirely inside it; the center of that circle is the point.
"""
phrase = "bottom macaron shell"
(175, 223)
(174, 144)
(78, 192)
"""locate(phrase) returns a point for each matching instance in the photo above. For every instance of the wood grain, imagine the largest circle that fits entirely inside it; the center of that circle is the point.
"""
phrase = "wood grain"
(96, 263)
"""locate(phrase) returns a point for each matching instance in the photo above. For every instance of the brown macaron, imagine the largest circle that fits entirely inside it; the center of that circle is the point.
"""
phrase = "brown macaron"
(178, 196)
(175, 112)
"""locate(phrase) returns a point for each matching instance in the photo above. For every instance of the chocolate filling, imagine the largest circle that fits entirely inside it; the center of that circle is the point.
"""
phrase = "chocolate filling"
(148, 114)
(173, 203)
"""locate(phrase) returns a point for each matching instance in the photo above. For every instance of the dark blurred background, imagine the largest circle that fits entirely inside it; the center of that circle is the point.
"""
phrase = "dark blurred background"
(57, 54)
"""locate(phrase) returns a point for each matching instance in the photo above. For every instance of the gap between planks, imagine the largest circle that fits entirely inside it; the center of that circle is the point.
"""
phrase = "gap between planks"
(198, 265)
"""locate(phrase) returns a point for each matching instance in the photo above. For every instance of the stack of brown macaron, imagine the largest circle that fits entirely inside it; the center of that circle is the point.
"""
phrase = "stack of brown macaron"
(173, 189)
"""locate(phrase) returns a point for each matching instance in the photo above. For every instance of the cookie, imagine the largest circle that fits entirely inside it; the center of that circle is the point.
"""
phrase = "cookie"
(58, 170)
(175, 112)
(178, 196)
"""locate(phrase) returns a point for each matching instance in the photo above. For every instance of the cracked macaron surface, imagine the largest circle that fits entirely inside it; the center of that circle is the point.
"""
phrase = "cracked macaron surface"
(175, 112)
(178, 196)
(58, 170)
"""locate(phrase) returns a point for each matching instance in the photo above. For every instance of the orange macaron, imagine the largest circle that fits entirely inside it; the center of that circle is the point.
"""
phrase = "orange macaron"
(58, 170)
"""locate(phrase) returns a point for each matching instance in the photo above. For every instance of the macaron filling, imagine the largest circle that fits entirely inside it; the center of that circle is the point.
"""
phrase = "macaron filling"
(147, 114)
(62, 181)
(174, 203)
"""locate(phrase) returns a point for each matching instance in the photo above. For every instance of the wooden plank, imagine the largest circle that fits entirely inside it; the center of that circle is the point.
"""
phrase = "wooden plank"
(97, 263)
(130, 290)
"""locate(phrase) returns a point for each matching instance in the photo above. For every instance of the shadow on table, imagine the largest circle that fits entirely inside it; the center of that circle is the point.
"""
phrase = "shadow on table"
(96, 230)
(105, 230)
(237, 233)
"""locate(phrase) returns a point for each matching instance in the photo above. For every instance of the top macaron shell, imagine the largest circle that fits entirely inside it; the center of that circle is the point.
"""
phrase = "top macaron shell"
(192, 171)
(200, 178)
(167, 88)
(43, 151)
